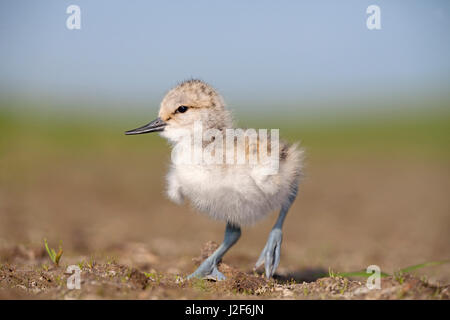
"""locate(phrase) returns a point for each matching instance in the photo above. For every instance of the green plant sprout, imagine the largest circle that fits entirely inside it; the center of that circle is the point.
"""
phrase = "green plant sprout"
(55, 257)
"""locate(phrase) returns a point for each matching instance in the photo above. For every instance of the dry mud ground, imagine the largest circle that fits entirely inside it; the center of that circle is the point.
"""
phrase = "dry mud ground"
(113, 220)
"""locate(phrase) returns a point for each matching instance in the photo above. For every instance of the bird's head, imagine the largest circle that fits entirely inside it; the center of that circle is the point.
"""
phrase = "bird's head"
(187, 103)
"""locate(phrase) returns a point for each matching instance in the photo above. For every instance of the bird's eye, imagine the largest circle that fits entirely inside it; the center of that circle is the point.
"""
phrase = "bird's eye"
(182, 109)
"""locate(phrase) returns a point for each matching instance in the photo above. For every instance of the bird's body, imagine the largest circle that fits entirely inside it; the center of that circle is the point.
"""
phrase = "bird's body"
(242, 195)
(239, 193)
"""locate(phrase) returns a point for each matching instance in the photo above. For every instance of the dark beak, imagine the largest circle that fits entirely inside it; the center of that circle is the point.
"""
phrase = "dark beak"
(154, 126)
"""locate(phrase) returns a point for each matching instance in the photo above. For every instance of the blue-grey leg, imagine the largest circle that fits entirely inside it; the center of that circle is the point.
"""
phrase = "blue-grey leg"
(208, 268)
(270, 255)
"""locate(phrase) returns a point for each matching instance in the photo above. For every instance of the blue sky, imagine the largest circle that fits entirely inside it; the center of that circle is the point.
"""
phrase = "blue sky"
(255, 52)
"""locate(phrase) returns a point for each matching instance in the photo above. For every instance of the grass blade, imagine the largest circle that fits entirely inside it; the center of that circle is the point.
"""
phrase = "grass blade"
(362, 273)
(50, 252)
(423, 265)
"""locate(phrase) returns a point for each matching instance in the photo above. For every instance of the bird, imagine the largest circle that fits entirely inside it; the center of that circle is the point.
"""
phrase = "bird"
(237, 194)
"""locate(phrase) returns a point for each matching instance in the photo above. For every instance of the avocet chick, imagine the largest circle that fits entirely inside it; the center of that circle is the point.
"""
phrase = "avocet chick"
(237, 193)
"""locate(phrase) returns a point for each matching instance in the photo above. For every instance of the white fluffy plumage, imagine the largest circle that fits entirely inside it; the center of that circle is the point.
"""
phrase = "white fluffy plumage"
(239, 194)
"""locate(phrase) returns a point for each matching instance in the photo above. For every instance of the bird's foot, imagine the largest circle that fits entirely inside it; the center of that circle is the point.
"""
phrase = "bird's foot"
(270, 256)
(208, 270)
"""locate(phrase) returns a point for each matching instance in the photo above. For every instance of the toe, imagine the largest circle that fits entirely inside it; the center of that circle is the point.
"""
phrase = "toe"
(277, 258)
(269, 263)
(201, 273)
(216, 275)
(261, 259)
(270, 256)
(193, 275)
